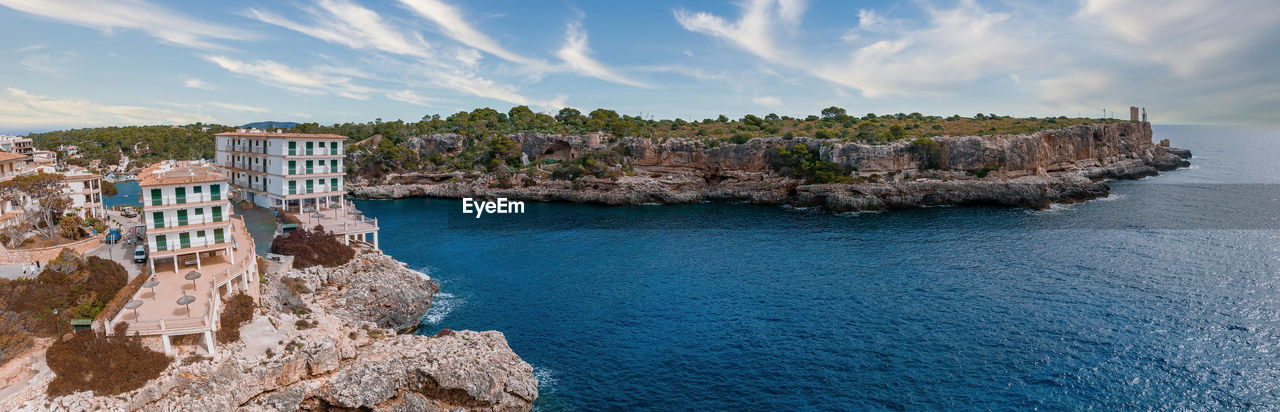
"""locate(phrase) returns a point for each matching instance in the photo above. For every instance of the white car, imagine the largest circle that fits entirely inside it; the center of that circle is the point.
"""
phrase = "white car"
(140, 254)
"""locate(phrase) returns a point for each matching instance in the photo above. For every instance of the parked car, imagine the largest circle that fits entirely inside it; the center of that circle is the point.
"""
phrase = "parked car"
(140, 254)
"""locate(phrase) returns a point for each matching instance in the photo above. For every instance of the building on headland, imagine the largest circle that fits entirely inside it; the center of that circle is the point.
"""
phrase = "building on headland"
(299, 173)
(196, 248)
(16, 144)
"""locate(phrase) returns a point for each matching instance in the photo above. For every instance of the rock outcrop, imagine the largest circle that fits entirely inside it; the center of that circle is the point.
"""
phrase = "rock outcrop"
(372, 287)
(1035, 170)
(330, 351)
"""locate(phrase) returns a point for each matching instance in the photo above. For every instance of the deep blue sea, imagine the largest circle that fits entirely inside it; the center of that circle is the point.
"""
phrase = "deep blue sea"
(1165, 295)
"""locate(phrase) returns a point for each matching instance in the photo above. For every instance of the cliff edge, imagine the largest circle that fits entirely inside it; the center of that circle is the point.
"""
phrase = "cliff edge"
(325, 339)
(1033, 170)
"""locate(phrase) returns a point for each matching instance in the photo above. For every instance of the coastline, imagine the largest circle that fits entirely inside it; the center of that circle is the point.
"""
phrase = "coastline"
(1034, 170)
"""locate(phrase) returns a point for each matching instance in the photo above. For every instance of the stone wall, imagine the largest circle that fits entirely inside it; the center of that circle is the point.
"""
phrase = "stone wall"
(45, 254)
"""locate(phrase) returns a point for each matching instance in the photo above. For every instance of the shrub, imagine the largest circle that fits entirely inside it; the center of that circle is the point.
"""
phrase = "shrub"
(313, 247)
(302, 324)
(238, 312)
(802, 163)
(92, 361)
(928, 151)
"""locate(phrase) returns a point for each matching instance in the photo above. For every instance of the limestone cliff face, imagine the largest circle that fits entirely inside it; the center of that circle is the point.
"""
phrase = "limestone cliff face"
(333, 355)
(1060, 165)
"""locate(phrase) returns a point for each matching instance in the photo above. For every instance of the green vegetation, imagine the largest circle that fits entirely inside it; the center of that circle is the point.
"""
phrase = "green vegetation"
(144, 144)
(484, 151)
(928, 151)
(803, 163)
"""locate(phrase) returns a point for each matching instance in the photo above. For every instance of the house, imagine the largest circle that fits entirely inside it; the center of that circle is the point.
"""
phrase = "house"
(297, 172)
(85, 191)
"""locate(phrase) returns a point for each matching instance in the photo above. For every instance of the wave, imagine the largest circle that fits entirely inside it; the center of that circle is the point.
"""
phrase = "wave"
(546, 380)
(441, 306)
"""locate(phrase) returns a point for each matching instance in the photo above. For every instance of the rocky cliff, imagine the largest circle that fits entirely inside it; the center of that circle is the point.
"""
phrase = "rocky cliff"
(318, 343)
(1036, 169)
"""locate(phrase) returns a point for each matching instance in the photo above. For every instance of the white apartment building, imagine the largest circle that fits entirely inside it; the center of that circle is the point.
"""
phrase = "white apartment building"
(291, 171)
(188, 216)
(85, 191)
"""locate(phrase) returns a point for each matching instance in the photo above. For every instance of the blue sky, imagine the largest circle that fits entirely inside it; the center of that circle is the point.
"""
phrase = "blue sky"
(80, 63)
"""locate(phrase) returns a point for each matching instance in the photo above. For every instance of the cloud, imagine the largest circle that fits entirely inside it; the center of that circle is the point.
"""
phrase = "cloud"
(166, 26)
(768, 101)
(1187, 36)
(239, 107)
(23, 109)
(409, 96)
(753, 31)
(348, 24)
(275, 74)
(451, 22)
(30, 48)
(576, 53)
(48, 63)
(195, 83)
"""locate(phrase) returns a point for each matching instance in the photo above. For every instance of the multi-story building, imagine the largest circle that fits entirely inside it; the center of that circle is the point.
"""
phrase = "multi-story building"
(296, 172)
(199, 254)
(290, 171)
(185, 208)
(16, 144)
(85, 191)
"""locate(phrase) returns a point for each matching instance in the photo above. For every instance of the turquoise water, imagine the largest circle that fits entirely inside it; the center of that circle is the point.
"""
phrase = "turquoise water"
(126, 194)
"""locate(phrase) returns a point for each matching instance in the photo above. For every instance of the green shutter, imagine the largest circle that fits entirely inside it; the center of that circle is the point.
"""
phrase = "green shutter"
(333, 166)
(182, 217)
(217, 213)
(184, 240)
(310, 166)
(217, 236)
(215, 191)
(310, 145)
(333, 148)
(181, 194)
(158, 219)
(293, 148)
(293, 187)
(162, 243)
(293, 167)
(310, 186)
(156, 198)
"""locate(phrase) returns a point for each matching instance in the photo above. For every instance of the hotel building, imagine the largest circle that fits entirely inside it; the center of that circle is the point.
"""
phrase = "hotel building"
(296, 172)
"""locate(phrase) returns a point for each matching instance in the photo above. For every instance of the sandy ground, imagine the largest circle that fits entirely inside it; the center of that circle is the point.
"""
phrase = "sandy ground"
(26, 373)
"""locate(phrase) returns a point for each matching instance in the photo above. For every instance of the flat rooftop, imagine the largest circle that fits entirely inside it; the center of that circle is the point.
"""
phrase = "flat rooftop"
(172, 172)
(266, 134)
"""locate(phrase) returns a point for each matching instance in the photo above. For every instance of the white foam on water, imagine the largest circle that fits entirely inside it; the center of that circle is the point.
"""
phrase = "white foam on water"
(1054, 209)
(546, 379)
(441, 306)
(1110, 198)
(859, 213)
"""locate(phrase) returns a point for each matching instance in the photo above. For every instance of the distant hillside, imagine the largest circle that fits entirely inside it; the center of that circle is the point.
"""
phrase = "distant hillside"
(270, 125)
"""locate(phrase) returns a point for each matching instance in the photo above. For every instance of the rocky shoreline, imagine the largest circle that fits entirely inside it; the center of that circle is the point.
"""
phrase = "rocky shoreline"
(325, 339)
(1028, 170)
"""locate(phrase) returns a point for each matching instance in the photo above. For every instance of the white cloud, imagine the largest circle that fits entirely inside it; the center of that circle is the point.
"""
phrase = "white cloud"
(1187, 36)
(48, 63)
(451, 22)
(23, 109)
(768, 101)
(165, 25)
(752, 32)
(239, 107)
(30, 48)
(576, 53)
(409, 96)
(348, 24)
(275, 74)
(194, 83)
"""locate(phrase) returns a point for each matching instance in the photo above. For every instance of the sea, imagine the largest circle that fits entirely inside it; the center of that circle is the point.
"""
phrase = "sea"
(1164, 295)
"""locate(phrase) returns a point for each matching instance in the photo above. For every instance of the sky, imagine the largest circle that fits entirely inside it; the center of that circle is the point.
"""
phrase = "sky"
(86, 63)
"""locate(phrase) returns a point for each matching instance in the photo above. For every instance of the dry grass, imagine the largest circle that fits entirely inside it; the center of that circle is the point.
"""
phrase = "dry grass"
(312, 247)
(106, 365)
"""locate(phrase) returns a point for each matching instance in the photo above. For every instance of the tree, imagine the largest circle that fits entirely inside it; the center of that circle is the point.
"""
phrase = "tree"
(41, 199)
(832, 112)
(109, 189)
(569, 116)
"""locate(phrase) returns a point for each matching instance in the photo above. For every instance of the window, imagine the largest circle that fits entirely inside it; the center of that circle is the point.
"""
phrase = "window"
(156, 198)
(181, 194)
(218, 236)
(293, 148)
(310, 186)
(162, 243)
(215, 192)
(333, 166)
(217, 213)
(157, 219)
(333, 148)
(309, 148)
(293, 187)
(293, 167)
(333, 184)
(199, 211)
(200, 233)
(309, 166)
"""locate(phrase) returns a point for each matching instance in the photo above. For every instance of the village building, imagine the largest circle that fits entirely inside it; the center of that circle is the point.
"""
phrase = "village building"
(299, 173)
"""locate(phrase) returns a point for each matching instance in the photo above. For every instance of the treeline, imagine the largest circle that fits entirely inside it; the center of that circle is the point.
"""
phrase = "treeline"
(479, 126)
(143, 144)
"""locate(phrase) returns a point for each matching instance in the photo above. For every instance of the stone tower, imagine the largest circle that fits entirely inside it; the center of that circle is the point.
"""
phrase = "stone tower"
(1133, 113)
